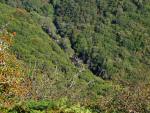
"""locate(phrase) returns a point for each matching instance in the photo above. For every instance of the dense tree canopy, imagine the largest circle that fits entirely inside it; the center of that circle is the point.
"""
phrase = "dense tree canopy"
(112, 35)
(92, 52)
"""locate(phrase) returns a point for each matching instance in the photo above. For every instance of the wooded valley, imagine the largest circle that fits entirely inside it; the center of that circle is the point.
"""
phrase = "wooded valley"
(75, 56)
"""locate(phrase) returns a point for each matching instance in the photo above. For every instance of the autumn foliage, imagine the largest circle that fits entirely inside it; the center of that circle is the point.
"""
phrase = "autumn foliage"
(13, 85)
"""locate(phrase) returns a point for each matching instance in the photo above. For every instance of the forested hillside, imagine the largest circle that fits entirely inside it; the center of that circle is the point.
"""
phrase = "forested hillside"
(110, 36)
(75, 56)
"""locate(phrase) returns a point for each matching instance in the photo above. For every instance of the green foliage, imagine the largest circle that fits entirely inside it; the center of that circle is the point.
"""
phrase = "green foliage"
(49, 67)
(99, 30)
(111, 37)
(41, 6)
(60, 106)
